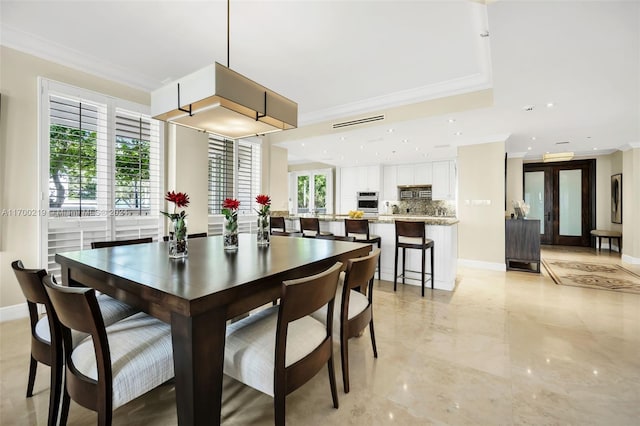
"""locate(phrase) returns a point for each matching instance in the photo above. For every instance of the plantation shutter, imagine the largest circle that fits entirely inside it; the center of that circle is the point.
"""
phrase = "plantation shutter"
(248, 175)
(102, 169)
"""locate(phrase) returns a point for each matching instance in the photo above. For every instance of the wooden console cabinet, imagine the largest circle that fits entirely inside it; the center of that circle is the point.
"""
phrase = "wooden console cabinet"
(522, 251)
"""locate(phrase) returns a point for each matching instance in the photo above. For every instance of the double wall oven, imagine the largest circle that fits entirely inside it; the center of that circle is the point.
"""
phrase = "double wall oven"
(368, 202)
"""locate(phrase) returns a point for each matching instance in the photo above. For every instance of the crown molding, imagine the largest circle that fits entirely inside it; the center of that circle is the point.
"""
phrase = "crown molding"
(516, 154)
(54, 52)
(629, 145)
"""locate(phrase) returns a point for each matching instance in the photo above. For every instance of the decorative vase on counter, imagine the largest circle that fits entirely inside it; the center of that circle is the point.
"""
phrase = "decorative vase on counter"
(178, 244)
(264, 219)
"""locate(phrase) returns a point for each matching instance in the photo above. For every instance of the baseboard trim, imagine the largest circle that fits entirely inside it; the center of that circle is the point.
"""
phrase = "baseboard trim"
(478, 264)
(14, 312)
(628, 259)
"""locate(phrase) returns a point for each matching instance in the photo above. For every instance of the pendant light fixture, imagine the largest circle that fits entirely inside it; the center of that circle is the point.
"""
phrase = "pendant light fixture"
(218, 100)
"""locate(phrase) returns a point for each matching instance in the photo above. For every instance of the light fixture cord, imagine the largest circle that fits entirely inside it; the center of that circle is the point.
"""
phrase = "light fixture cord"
(228, 13)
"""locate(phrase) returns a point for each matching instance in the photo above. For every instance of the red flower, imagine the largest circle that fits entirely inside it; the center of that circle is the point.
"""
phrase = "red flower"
(231, 204)
(180, 198)
(264, 200)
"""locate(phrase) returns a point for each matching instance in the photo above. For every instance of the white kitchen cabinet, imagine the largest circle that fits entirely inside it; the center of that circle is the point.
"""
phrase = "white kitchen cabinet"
(405, 175)
(354, 180)
(389, 183)
(415, 174)
(444, 180)
(423, 174)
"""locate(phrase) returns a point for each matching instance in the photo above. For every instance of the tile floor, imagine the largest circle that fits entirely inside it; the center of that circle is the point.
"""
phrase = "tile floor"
(503, 349)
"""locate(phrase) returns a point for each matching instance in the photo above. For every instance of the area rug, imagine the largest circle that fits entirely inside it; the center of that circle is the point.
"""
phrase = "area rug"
(592, 275)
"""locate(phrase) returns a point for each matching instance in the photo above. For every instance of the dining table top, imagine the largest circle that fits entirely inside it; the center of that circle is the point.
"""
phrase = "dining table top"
(208, 269)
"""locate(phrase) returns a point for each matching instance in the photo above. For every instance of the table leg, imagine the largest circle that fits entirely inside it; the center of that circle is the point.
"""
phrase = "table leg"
(599, 243)
(198, 357)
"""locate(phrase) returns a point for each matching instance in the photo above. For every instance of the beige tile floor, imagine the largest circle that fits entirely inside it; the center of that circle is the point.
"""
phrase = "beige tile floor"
(503, 349)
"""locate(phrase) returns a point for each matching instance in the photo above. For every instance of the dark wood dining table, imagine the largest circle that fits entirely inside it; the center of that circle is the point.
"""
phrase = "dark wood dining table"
(197, 295)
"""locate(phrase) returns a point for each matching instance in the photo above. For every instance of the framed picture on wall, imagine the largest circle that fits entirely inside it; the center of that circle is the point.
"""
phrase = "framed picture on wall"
(616, 198)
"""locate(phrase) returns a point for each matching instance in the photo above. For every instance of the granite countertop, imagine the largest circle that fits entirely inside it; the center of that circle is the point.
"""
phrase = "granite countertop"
(428, 220)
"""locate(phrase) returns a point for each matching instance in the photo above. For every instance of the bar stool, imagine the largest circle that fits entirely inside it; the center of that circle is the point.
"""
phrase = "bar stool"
(277, 223)
(360, 229)
(311, 224)
(412, 235)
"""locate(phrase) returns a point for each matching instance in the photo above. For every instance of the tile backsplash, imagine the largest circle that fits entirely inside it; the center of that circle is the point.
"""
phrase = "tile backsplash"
(427, 207)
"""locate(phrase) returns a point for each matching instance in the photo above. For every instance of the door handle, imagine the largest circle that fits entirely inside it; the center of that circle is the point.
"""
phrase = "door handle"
(548, 216)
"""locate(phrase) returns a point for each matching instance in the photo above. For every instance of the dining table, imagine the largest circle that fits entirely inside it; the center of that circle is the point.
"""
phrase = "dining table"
(196, 295)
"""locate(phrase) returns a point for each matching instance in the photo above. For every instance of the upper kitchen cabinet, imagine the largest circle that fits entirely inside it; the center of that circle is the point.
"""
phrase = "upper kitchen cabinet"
(414, 174)
(389, 183)
(444, 180)
(356, 179)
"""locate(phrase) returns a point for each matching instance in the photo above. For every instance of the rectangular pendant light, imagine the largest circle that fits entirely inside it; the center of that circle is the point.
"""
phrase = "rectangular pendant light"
(557, 156)
(219, 100)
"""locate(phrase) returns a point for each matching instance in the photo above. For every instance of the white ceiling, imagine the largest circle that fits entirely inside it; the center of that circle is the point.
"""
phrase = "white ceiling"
(341, 59)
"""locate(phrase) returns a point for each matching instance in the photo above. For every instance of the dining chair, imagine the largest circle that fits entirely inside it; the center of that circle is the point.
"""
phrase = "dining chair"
(286, 233)
(102, 244)
(277, 223)
(355, 299)
(46, 345)
(335, 238)
(114, 364)
(280, 348)
(189, 236)
(412, 235)
(360, 229)
(310, 227)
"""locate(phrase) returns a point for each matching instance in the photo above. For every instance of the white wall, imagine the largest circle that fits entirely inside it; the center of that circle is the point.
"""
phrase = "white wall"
(514, 183)
(481, 196)
(278, 179)
(631, 205)
(188, 152)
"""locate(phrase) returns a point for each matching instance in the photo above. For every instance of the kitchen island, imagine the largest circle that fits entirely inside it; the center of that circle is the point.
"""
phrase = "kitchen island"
(442, 230)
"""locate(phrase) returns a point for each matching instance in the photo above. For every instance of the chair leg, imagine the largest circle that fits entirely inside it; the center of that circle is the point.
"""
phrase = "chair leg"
(404, 258)
(279, 408)
(332, 382)
(56, 389)
(395, 270)
(424, 261)
(64, 409)
(379, 263)
(373, 338)
(33, 366)
(433, 275)
(344, 358)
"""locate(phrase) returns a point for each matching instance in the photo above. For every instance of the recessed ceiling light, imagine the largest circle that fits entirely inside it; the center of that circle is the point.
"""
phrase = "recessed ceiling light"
(550, 104)
(417, 148)
(302, 144)
(533, 138)
(529, 149)
(405, 140)
(390, 130)
(452, 120)
(377, 154)
(342, 138)
(361, 146)
(528, 107)
(595, 149)
(457, 133)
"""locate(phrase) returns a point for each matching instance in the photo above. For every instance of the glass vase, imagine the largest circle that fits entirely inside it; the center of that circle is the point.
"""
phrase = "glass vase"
(178, 244)
(230, 233)
(263, 229)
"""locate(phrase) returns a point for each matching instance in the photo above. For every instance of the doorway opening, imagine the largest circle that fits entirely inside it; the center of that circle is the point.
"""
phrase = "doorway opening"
(563, 196)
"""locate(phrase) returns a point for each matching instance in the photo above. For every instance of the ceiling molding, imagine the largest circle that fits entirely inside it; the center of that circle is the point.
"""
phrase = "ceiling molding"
(516, 154)
(419, 94)
(46, 49)
(629, 145)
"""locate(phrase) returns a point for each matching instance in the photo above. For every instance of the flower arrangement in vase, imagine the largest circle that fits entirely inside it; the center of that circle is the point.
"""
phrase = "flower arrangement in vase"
(178, 232)
(230, 211)
(264, 214)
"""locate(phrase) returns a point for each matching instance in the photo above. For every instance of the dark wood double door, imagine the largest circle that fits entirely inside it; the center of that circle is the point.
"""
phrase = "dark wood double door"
(562, 195)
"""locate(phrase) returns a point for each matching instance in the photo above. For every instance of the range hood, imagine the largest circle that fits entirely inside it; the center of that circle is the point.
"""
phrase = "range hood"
(218, 100)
